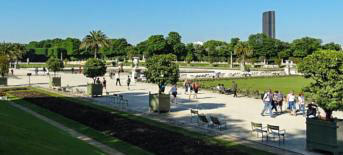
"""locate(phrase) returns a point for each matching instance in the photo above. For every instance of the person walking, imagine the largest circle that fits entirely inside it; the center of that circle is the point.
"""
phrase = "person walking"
(185, 84)
(301, 102)
(291, 102)
(279, 100)
(12, 72)
(267, 99)
(196, 87)
(234, 88)
(72, 70)
(274, 101)
(104, 83)
(128, 82)
(173, 91)
(118, 79)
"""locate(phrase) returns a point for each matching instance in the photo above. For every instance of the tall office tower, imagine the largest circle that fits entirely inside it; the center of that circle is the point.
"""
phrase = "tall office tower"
(268, 23)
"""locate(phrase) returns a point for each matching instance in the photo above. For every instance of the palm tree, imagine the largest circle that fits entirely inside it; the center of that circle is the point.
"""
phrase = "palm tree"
(243, 50)
(94, 41)
(14, 51)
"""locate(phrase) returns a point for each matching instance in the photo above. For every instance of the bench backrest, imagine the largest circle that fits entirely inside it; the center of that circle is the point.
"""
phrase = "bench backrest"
(215, 120)
(203, 118)
(273, 128)
(256, 125)
(193, 111)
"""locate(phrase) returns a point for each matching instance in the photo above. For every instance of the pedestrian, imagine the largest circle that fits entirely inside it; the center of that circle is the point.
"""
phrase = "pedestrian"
(190, 89)
(173, 91)
(104, 83)
(118, 79)
(98, 81)
(128, 82)
(196, 87)
(80, 69)
(185, 84)
(301, 102)
(279, 100)
(12, 71)
(111, 75)
(72, 70)
(162, 88)
(291, 103)
(267, 99)
(234, 88)
(274, 101)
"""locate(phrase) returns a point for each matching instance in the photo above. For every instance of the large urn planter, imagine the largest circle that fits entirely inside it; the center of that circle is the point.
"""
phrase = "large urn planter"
(324, 135)
(55, 81)
(94, 89)
(3, 81)
(159, 102)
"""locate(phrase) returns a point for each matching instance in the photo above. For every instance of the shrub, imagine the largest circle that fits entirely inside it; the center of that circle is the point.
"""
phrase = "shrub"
(94, 68)
(54, 64)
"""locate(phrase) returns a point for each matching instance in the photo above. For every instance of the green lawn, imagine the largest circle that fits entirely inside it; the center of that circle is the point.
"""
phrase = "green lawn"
(283, 84)
(22, 133)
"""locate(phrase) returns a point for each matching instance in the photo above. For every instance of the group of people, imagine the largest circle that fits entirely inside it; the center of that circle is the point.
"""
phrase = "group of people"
(191, 87)
(232, 90)
(274, 100)
(117, 78)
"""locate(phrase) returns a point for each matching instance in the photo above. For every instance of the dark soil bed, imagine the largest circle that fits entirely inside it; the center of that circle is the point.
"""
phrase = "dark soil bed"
(150, 138)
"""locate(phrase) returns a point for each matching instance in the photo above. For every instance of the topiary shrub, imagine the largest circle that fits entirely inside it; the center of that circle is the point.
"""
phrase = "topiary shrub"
(54, 65)
(94, 68)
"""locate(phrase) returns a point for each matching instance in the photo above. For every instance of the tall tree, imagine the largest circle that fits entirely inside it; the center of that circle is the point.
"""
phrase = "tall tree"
(332, 46)
(243, 51)
(155, 45)
(13, 51)
(213, 48)
(305, 46)
(94, 41)
(263, 46)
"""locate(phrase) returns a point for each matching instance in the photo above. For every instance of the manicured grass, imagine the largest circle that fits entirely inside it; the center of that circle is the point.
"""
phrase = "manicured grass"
(98, 136)
(122, 146)
(42, 65)
(22, 133)
(284, 84)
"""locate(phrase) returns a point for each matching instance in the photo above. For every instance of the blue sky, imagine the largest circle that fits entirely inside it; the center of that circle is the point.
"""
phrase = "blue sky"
(196, 20)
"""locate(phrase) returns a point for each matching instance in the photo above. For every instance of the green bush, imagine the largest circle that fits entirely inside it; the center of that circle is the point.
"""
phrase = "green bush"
(54, 64)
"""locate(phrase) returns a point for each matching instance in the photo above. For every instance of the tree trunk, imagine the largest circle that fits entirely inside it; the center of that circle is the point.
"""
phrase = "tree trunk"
(95, 52)
(231, 63)
(243, 64)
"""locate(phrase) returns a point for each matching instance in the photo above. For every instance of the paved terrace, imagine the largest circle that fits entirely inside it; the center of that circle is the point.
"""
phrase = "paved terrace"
(238, 112)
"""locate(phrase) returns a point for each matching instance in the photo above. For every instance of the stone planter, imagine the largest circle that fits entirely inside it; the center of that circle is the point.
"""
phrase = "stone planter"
(159, 102)
(3, 81)
(324, 135)
(94, 89)
(55, 82)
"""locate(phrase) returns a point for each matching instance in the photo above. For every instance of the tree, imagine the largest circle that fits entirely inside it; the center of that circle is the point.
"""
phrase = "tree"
(155, 45)
(262, 45)
(118, 47)
(94, 68)
(305, 46)
(332, 46)
(173, 38)
(213, 48)
(13, 51)
(231, 48)
(161, 70)
(325, 68)
(94, 41)
(243, 51)
(4, 65)
(54, 64)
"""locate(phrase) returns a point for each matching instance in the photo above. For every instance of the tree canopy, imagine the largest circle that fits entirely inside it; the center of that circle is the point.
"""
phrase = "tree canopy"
(161, 69)
(325, 68)
(4, 65)
(94, 41)
(54, 64)
(94, 68)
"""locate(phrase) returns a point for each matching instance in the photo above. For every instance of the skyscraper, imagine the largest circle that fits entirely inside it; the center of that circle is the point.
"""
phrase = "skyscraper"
(268, 23)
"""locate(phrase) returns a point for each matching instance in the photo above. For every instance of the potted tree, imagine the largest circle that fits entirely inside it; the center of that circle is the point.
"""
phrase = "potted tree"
(55, 65)
(161, 70)
(4, 68)
(93, 69)
(325, 68)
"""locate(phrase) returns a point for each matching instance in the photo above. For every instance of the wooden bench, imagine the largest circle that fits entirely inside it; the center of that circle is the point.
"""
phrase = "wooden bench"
(258, 128)
(275, 131)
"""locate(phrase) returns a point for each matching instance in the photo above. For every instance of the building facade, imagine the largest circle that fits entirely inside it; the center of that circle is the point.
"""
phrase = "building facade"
(268, 23)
